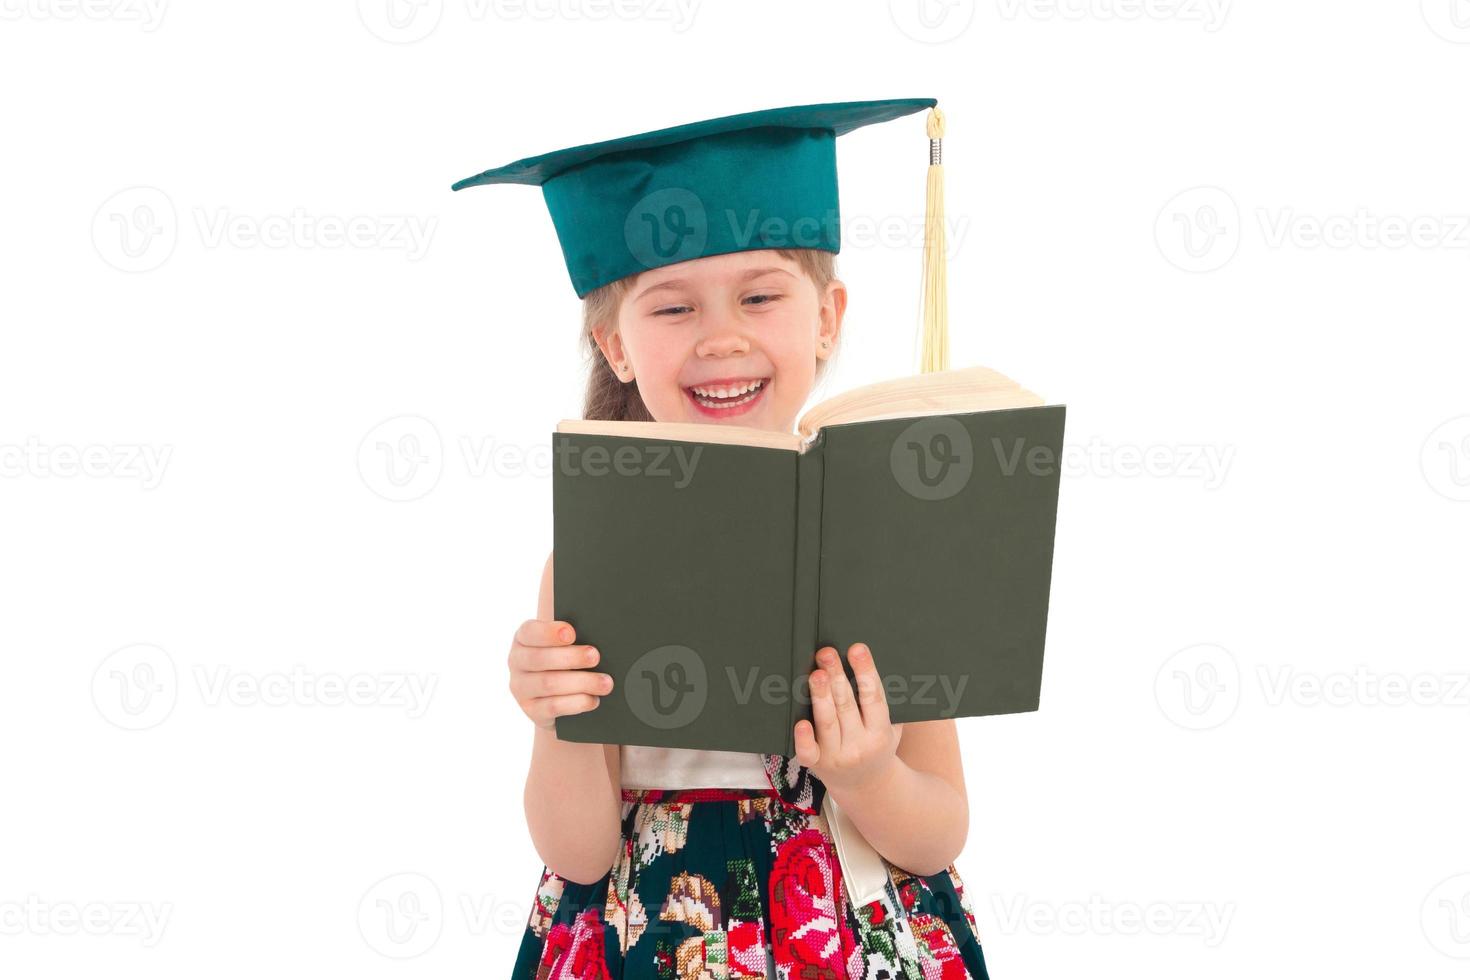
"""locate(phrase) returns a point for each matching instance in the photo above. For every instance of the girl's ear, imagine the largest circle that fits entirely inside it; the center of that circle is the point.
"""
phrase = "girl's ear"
(610, 342)
(829, 321)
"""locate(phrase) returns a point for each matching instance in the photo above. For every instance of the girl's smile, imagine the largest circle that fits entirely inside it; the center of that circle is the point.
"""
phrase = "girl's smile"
(722, 398)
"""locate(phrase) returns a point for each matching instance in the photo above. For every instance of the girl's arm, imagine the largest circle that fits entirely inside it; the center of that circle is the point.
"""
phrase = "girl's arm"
(573, 796)
(904, 790)
(919, 815)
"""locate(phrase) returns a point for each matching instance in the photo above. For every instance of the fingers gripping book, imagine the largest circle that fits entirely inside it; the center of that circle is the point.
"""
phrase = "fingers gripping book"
(709, 563)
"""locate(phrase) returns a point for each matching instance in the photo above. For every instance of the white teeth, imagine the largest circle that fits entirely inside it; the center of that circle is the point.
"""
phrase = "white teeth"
(707, 396)
(726, 404)
(727, 391)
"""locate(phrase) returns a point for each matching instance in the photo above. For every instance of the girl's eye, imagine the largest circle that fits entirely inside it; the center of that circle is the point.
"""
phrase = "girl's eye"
(760, 299)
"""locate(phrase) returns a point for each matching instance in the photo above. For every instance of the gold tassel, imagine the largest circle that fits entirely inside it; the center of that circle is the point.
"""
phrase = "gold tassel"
(935, 286)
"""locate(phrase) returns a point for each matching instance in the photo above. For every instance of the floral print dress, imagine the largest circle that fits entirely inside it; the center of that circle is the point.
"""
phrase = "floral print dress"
(726, 883)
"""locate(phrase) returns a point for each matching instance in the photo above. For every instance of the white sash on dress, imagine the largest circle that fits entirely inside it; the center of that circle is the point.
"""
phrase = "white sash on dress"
(647, 767)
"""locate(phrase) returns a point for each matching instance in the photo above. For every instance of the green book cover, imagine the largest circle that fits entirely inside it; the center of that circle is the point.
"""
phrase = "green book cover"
(708, 575)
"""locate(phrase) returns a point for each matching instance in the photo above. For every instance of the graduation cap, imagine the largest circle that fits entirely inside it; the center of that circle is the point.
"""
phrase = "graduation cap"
(756, 180)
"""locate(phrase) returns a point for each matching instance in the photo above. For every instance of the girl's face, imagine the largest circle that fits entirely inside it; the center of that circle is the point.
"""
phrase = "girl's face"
(726, 338)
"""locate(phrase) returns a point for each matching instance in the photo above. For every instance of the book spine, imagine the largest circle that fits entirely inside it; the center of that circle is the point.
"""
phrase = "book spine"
(806, 581)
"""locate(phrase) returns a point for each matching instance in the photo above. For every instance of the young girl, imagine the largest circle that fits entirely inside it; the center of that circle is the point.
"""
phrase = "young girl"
(669, 863)
(677, 863)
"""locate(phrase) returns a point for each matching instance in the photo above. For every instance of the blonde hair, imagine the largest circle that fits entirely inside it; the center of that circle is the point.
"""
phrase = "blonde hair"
(611, 399)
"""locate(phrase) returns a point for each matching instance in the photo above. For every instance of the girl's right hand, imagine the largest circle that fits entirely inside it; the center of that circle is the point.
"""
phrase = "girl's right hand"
(544, 675)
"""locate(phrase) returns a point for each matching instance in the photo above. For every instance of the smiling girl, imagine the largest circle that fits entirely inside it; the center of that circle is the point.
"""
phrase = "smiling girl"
(672, 863)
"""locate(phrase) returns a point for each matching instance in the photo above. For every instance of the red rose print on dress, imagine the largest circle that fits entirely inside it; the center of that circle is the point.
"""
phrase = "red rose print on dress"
(810, 938)
(939, 958)
(576, 952)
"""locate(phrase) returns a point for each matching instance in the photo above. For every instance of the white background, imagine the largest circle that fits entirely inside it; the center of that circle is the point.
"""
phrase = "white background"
(1231, 237)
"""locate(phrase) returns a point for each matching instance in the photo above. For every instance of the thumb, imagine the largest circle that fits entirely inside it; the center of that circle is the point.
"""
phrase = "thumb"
(807, 752)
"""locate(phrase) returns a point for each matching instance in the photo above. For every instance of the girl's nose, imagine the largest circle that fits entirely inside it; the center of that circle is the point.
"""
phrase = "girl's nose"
(722, 340)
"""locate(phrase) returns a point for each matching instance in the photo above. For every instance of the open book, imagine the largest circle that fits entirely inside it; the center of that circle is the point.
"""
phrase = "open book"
(708, 562)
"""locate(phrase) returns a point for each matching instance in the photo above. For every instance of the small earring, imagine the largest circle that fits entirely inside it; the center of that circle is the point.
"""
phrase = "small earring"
(826, 344)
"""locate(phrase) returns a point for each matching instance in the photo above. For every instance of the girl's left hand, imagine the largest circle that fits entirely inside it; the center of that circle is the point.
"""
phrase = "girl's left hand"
(850, 743)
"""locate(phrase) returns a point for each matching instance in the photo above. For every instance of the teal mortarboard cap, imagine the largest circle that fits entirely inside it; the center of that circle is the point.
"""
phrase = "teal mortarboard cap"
(756, 180)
